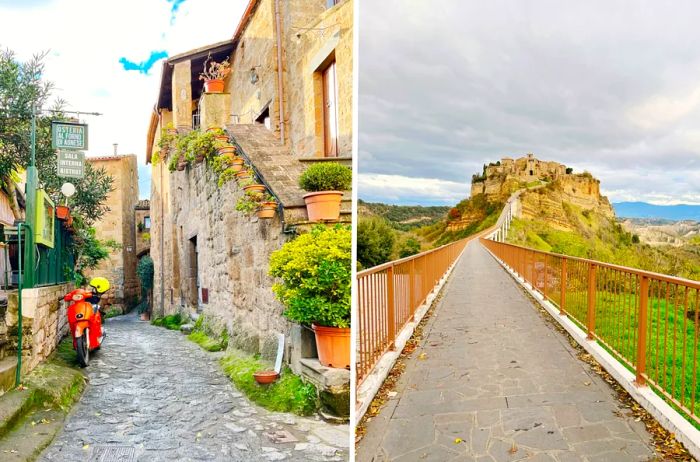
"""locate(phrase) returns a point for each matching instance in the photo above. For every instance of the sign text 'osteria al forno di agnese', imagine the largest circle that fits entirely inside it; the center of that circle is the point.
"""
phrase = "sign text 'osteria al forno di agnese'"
(70, 138)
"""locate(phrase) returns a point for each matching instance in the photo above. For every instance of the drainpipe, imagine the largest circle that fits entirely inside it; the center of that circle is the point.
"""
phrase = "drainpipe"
(162, 229)
(280, 91)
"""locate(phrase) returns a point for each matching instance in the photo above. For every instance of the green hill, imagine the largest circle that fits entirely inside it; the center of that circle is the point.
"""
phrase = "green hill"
(593, 235)
(403, 217)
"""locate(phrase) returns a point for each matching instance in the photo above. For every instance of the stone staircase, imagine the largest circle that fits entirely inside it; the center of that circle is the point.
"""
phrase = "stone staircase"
(280, 171)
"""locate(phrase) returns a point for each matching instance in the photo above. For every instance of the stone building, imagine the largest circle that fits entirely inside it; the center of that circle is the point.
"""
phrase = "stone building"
(501, 177)
(142, 218)
(118, 224)
(287, 103)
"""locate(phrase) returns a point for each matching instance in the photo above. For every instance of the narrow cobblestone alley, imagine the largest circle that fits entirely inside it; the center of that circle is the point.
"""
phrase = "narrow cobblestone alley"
(155, 396)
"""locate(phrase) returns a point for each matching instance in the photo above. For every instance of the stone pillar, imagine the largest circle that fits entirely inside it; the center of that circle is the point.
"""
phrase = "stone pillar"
(182, 95)
(214, 109)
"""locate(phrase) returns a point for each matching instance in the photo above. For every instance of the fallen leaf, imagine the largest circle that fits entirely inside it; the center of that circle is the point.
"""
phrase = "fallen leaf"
(86, 447)
(513, 449)
(422, 356)
(458, 440)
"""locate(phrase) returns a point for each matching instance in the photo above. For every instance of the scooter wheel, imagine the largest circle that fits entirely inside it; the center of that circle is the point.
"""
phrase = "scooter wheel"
(81, 346)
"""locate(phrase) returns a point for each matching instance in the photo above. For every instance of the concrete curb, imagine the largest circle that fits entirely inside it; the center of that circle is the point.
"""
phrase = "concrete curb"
(668, 417)
(370, 386)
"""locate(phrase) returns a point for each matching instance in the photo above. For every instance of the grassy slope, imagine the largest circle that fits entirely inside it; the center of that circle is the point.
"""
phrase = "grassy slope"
(672, 328)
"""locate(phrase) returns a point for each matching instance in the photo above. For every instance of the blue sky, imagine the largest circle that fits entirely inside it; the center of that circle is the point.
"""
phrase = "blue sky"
(107, 57)
(609, 87)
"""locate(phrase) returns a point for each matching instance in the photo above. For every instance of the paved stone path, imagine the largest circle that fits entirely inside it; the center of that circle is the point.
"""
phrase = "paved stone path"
(155, 396)
(493, 382)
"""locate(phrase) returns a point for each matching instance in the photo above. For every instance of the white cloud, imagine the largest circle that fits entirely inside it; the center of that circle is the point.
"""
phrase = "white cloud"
(397, 189)
(88, 37)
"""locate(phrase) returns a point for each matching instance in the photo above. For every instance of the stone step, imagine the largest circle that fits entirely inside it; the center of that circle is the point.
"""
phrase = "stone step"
(8, 366)
(31, 435)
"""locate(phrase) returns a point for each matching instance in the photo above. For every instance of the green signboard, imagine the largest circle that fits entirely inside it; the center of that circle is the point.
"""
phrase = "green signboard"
(69, 135)
(71, 164)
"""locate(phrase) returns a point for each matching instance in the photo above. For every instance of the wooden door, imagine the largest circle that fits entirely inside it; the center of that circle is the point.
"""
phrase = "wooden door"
(330, 111)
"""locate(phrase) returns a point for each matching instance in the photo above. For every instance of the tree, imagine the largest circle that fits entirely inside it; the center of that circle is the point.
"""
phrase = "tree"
(375, 241)
(454, 214)
(409, 247)
(22, 90)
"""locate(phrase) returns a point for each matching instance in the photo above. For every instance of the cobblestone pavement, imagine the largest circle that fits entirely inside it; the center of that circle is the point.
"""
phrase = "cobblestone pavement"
(155, 396)
(491, 381)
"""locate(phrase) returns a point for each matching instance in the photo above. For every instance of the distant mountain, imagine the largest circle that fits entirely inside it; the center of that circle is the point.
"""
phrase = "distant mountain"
(668, 212)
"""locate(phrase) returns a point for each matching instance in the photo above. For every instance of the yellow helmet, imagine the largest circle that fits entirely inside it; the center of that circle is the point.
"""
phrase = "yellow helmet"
(100, 284)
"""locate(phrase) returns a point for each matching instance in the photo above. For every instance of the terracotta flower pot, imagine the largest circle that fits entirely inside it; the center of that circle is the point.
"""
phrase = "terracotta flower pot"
(267, 209)
(254, 188)
(333, 345)
(213, 129)
(236, 164)
(199, 158)
(226, 151)
(69, 221)
(223, 138)
(214, 86)
(265, 377)
(242, 175)
(62, 212)
(145, 316)
(323, 205)
(181, 165)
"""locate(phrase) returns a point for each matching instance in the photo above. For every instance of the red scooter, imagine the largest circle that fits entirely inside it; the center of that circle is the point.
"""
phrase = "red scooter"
(85, 319)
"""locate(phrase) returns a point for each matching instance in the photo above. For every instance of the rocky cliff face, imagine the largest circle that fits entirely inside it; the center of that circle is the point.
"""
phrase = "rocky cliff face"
(550, 202)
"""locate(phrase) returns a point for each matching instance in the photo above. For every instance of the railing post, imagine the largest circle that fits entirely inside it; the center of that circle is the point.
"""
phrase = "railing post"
(591, 301)
(412, 289)
(391, 315)
(544, 292)
(562, 301)
(642, 333)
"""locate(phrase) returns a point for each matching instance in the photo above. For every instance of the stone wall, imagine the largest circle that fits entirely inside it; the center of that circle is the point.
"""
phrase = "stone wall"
(118, 224)
(256, 52)
(226, 250)
(313, 35)
(44, 322)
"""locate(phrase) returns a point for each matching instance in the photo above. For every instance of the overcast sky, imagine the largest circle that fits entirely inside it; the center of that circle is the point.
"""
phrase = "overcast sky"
(447, 86)
(106, 56)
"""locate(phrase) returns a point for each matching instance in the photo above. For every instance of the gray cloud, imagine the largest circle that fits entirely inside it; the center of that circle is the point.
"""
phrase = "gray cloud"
(614, 89)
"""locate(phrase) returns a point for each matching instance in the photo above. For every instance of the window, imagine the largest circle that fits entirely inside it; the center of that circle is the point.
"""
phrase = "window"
(531, 173)
(330, 111)
(147, 222)
(332, 3)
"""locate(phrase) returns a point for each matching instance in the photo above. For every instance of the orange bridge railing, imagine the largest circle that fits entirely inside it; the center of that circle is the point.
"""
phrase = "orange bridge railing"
(648, 321)
(389, 294)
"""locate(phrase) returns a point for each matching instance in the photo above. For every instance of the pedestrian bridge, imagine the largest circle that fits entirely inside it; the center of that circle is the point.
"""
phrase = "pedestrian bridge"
(492, 376)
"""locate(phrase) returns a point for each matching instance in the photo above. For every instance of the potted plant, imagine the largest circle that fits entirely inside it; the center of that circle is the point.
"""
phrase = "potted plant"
(62, 212)
(247, 204)
(243, 175)
(219, 134)
(325, 182)
(201, 146)
(214, 74)
(315, 269)
(252, 187)
(267, 207)
(168, 137)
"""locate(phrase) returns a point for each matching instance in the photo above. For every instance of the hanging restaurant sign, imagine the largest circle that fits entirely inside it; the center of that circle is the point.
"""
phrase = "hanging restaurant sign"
(69, 135)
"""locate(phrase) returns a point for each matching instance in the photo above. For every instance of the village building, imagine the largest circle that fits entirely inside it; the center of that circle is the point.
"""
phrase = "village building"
(287, 103)
(118, 225)
(142, 218)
